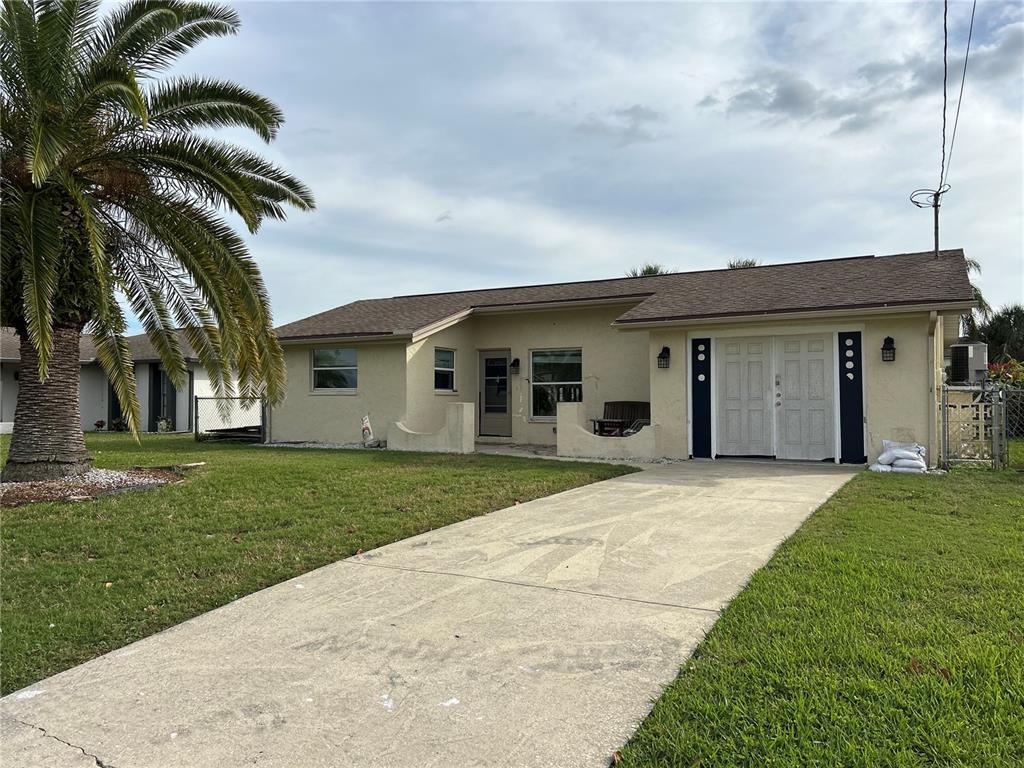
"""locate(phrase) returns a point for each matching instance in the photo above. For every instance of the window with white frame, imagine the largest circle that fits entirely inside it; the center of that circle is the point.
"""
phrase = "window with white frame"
(556, 376)
(335, 369)
(444, 369)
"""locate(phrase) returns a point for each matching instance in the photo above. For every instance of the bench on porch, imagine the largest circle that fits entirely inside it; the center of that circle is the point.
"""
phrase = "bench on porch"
(622, 417)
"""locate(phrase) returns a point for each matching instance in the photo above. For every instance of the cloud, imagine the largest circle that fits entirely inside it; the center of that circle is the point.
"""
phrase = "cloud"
(567, 143)
(625, 126)
(875, 90)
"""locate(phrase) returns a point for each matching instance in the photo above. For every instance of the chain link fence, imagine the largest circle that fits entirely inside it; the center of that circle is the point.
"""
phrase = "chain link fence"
(983, 424)
(229, 418)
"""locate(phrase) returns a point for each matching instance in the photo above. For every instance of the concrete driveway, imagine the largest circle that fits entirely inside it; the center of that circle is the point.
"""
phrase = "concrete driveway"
(538, 635)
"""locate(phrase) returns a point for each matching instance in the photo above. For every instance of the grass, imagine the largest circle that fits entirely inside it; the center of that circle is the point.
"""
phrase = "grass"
(889, 631)
(79, 580)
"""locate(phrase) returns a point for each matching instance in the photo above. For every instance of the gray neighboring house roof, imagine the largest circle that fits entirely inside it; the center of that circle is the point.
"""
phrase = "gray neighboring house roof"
(141, 347)
(861, 282)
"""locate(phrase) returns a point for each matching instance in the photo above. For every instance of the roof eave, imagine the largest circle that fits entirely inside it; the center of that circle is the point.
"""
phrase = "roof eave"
(362, 336)
(739, 317)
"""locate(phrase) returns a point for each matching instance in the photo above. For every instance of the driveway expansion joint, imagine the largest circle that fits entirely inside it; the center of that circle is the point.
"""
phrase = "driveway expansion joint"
(100, 763)
(715, 611)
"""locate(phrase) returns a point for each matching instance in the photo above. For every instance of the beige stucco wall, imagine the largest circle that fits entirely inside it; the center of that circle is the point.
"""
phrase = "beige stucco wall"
(335, 417)
(426, 407)
(899, 396)
(615, 364)
(669, 392)
(396, 380)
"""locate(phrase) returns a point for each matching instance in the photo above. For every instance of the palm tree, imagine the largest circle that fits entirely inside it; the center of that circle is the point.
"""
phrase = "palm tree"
(744, 263)
(112, 190)
(969, 321)
(647, 269)
(1003, 331)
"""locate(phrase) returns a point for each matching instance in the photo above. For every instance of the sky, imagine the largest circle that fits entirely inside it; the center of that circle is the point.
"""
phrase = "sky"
(455, 146)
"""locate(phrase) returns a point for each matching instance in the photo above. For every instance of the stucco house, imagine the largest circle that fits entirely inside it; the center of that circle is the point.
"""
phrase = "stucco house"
(158, 397)
(816, 360)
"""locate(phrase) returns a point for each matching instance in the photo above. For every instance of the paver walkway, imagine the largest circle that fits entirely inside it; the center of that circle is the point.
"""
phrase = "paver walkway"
(538, 635)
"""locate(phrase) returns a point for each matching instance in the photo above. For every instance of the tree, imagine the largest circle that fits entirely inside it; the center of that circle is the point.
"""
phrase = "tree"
(112, 188)
(647, 269)
(744, 263)
(982, 312)
(1003, 332)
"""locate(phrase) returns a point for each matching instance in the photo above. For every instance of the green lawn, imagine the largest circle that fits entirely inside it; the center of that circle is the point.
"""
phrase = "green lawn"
(889, 631)
(82, 579)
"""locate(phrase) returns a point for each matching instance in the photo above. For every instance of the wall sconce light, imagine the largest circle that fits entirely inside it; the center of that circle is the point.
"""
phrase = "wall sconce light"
(888, 350)
(513, 367)
(663, 357)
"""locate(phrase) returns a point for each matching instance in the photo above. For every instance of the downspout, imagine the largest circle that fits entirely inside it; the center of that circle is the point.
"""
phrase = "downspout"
(933, 445)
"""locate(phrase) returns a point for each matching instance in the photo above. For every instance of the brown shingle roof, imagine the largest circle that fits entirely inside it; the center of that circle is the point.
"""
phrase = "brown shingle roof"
(853, 283)
(140, 345)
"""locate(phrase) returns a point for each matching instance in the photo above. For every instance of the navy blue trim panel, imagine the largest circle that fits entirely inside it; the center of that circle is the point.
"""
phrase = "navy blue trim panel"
(700, 373)
(851, 399)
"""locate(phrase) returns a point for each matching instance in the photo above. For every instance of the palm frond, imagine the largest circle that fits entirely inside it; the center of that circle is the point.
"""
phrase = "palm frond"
(115, 357)
(149, 34)
(191, 103)
(40, 226)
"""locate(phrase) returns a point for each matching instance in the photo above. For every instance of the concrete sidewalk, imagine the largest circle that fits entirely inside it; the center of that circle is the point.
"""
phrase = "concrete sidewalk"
(538, 635)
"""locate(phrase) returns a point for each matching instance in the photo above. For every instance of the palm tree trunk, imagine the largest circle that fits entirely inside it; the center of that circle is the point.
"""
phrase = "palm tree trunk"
(47, 442)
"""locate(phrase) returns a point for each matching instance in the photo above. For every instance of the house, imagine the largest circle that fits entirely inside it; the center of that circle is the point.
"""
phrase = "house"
(816, 360)
(158, 397)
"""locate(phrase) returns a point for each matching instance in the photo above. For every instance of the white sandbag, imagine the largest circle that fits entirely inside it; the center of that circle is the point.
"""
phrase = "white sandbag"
(909, 470)
(892, 455)
(918, 463)
(892, 445)
(880, 468)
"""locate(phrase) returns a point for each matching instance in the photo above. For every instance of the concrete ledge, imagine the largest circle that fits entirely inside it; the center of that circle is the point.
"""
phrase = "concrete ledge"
(577, 440)
(456, 436)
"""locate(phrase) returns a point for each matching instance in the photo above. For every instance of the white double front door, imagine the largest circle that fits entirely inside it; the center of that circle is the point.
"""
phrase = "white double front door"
(775, 398)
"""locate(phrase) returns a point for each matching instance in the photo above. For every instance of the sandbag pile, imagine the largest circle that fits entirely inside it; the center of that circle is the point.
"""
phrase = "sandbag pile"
(907, 458)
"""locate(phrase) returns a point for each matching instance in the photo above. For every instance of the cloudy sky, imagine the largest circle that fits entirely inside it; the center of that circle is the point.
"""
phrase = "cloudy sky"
(457, 145)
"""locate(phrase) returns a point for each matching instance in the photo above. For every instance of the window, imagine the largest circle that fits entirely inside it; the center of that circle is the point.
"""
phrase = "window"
(556, 377)
(335, 369)
(444, 369)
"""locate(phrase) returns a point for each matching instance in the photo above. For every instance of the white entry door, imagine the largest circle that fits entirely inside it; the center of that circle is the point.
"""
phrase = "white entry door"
(803, 397)
(744, 397)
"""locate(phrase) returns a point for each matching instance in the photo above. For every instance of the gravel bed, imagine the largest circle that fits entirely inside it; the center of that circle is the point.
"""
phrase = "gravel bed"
(332, 446)
(95, 482)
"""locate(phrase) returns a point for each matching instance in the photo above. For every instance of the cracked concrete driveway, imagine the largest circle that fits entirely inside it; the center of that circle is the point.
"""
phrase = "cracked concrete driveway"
(538, 635)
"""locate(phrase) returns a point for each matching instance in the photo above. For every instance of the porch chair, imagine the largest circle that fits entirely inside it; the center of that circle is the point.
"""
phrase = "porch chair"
(622, 418)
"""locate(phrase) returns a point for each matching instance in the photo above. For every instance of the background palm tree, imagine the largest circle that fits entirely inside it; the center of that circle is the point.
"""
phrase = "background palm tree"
(744, 263)
(1003, 332)
(646, 269)
(113, 191)
(969, 321)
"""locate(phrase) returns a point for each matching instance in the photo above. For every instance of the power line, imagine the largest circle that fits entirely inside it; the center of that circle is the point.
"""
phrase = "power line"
(960, 99)
(931, 198)
(945, 74)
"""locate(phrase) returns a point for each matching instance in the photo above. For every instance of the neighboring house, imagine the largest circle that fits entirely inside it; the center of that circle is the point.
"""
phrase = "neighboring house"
(158, 397)
(782, 361)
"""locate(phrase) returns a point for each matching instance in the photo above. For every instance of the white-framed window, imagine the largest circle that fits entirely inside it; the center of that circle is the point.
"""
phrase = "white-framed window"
(444, 369)
(335, 368)
(556, 376)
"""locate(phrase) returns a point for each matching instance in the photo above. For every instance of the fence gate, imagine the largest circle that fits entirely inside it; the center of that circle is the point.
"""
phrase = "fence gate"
(978, 422)
(229, 418)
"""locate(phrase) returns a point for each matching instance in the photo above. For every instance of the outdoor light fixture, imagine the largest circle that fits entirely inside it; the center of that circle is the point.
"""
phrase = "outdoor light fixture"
(513, 367)
(663, 357)
(888, 350)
